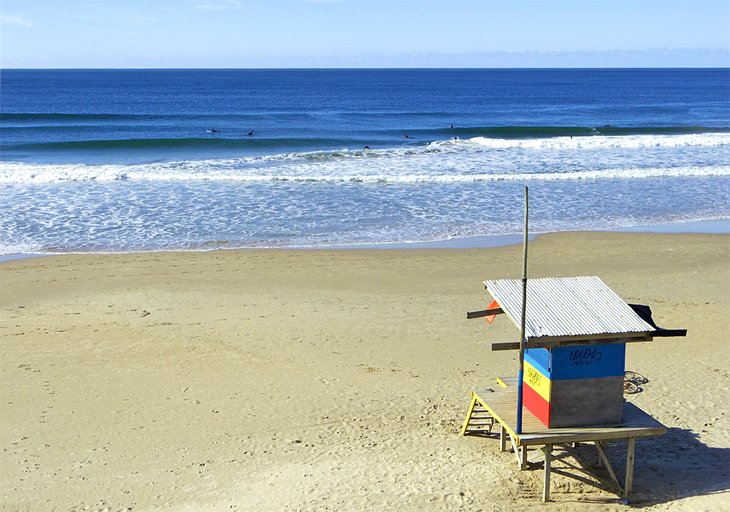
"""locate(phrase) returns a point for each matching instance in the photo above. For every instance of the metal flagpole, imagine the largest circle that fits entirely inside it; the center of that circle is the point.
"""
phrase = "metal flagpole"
(518, 428)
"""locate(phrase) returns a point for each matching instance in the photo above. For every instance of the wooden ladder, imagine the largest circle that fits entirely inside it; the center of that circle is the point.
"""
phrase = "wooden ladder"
(478, 419)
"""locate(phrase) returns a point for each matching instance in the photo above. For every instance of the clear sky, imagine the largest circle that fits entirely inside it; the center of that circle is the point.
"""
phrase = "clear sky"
(363, 33)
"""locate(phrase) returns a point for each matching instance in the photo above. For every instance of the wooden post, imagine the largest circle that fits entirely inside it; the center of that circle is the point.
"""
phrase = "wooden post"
(502, 438)
(523, 457)
(546, 483)
(520, 376)
(629, 466)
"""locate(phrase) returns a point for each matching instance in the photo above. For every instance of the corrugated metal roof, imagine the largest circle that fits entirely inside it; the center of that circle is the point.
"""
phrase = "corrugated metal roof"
(567, 306)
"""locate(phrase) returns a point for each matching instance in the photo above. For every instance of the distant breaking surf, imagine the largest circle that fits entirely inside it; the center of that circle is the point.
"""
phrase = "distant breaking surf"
(468, 160)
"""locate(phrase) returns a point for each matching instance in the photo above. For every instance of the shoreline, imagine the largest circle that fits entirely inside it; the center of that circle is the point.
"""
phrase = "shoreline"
(713, 226)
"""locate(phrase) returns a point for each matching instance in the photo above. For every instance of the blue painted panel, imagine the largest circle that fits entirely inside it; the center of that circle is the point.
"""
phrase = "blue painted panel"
(588, 361)
(540, 359)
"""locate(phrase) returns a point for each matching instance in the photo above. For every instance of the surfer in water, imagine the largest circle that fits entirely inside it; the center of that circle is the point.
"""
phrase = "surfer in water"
(213, 130)
(250, 134)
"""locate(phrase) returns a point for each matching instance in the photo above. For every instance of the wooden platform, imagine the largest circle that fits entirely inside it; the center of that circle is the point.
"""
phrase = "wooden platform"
(500, 403)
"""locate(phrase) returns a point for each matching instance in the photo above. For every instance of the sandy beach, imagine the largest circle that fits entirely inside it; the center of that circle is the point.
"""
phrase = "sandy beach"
(334, 380)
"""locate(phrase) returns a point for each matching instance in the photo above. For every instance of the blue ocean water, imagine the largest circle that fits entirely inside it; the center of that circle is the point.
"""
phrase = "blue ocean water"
(120, 160)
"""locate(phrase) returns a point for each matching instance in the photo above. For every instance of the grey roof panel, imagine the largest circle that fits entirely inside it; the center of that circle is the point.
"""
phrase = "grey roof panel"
(567, 306)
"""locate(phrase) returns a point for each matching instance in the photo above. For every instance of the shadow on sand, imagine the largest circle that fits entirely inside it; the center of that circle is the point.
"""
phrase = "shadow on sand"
(667, 468)
(671, 467)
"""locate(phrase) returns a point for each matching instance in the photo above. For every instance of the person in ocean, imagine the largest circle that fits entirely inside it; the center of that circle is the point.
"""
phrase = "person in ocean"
(250, 134)
(213, 130)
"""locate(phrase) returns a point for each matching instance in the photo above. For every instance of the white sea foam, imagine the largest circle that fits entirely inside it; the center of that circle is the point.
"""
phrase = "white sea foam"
(437, 191)
(476, 159)
(210, 171)
(607, 141)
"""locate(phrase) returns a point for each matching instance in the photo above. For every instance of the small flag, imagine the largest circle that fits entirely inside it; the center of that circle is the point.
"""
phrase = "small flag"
(490, 318)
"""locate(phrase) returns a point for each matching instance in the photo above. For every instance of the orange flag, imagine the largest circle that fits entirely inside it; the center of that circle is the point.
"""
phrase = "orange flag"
(493, 305)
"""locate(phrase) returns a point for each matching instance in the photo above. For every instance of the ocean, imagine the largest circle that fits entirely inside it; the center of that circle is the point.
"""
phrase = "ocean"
(143, 160)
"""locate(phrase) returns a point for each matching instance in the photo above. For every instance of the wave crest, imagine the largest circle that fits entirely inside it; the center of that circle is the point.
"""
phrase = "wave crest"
(197, 171)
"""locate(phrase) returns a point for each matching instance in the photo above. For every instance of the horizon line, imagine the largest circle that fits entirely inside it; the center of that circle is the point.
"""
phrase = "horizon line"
(343, 68)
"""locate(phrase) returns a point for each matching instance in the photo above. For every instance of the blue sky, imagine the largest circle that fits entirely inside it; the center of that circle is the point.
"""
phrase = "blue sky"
(364, 33)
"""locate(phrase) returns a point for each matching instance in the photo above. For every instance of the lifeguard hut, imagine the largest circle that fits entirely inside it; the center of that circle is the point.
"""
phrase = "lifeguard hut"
(575, 334)
(572, 354)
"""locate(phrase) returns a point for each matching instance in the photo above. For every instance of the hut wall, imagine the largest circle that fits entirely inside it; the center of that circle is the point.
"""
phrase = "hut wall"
(575, 386)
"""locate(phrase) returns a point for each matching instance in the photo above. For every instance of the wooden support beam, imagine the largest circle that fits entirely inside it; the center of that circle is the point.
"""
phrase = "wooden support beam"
(520, 453)
(546, 482)
(622, 337)
(484, 312)
(667, 333)
(552, 343)
(606, 463)
(629, 466)
(502, 438)
(509, 345)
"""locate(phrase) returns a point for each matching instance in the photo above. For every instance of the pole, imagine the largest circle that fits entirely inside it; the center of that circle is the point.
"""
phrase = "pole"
(518, 428)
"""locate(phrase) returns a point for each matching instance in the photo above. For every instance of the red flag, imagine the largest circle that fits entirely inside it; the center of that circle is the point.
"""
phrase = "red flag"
(490, 318)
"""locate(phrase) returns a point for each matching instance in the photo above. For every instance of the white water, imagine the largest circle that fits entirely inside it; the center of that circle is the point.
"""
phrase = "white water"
(471, 160)
(430, 192)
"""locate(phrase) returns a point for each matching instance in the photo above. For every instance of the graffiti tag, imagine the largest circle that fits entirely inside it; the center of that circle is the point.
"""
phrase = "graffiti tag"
(585, 356)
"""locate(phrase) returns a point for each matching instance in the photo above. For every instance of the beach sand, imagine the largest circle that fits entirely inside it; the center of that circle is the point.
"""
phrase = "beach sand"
(334, 380)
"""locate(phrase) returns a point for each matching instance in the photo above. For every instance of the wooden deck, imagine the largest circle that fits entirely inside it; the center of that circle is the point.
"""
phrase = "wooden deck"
(501, 402)
(499, 405)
